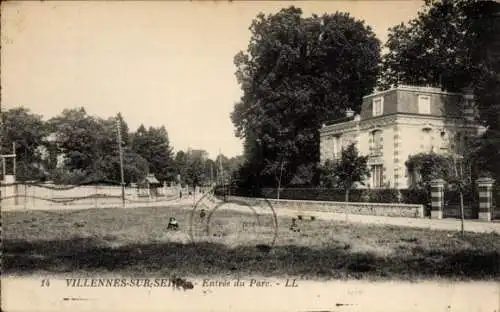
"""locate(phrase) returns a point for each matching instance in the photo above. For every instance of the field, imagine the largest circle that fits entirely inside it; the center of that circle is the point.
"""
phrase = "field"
(136, 242)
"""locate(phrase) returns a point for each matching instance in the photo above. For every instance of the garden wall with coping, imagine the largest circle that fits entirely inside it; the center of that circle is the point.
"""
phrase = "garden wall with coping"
(361, 208)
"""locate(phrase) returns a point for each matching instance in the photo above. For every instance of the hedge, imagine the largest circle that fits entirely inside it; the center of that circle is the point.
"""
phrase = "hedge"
(406, 196)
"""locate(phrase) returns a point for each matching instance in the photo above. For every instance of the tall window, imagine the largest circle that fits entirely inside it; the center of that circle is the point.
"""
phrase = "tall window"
(424, 104)
(378, 106)
(377, 176)
(376, 142)
(444, 140)
(427, 145)
(337, 146)
(338, 141)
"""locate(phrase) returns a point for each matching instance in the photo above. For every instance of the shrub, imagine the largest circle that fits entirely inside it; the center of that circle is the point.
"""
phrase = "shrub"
(416, 196)
(420, 196)
(384, 196)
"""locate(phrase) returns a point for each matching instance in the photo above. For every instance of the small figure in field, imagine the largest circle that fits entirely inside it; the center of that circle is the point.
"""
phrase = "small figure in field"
(180, 194)
(294, 227)
(172, 224)
(202, 213)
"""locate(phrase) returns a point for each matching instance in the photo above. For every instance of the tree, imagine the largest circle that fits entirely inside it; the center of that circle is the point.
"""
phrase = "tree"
(327, 177)
(28, 131)
(444, 45)
(193, 171)
(153, 145)
(458, 169)
(78, 139)
(90, 145)
(297, 73)
(210, 171)
(455, 44)
(351, 168)
(425, 167)
(344, 172)
(230, 166)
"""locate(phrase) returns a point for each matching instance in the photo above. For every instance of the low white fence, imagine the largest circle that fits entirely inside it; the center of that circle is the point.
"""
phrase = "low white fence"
(31, 195)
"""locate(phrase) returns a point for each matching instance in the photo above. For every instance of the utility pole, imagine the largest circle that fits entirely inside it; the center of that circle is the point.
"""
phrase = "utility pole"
(221, 170)
(120, 149)
(14, 169)
(211, 174)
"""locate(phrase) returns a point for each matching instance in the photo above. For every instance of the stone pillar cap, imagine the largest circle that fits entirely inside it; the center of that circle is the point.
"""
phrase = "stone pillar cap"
(485, 180)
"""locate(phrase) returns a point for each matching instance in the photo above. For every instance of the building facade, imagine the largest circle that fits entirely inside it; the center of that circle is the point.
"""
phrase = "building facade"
(397, 123)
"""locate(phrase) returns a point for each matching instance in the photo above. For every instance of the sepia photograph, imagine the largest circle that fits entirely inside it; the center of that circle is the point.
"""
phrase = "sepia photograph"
(250, 155)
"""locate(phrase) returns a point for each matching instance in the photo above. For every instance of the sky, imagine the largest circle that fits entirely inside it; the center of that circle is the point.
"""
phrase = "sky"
(158, 63)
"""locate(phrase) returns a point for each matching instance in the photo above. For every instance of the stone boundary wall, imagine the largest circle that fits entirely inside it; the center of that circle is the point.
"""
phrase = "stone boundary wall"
(372, 209)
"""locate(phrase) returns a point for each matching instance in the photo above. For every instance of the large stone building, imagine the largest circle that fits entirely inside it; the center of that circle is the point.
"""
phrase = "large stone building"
(397, 123)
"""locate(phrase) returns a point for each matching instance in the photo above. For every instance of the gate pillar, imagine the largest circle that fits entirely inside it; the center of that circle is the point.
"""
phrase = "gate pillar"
(437, 198)
(485, 187)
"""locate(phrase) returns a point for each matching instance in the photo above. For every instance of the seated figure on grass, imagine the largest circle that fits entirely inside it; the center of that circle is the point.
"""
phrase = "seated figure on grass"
(294, 227)
(172, 224)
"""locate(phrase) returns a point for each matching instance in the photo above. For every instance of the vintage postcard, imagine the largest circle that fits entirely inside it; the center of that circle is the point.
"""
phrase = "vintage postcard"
(250, 155)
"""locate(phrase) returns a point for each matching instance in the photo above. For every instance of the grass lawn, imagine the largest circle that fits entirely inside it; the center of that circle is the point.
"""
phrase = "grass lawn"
(135, 242)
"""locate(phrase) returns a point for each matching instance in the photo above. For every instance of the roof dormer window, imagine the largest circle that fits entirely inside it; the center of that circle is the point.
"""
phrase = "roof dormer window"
(378, 106)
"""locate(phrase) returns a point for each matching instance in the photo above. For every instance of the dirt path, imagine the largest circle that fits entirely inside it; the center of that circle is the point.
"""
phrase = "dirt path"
(443, 224)
(187, 202)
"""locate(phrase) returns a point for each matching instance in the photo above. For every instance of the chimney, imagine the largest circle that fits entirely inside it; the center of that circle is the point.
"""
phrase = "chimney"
(349, 113)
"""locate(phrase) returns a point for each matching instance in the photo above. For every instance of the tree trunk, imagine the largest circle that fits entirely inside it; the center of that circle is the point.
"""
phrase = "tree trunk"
(346, 204)
(462, 214)
(194, 195)
(279, 181)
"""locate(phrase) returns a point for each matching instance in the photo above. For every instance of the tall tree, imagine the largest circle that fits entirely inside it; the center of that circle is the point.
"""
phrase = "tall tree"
(90, 146)
(444, 45)
(455, 44)
(28, 131)
(77, 138)
(153, 145)
(193, 167)
(296, 73)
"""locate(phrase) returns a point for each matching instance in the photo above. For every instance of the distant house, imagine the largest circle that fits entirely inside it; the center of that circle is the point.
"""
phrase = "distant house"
(149, 187)
(397, 123)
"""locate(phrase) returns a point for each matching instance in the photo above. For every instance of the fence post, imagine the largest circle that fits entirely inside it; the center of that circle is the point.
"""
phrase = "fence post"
(25, 196)
(437, 198)
(485, 186)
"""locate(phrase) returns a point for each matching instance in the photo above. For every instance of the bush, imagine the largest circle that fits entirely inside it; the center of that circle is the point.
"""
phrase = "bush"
(384, 196)
(416, 196)
(406, 196)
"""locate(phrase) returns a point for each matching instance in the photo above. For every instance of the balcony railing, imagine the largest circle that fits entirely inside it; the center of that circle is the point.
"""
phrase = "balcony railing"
(376, 151)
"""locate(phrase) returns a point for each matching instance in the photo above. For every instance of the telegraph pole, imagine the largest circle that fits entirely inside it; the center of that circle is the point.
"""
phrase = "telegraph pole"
(211, 174)
(120, 149)
(221, 170)
(14, 164)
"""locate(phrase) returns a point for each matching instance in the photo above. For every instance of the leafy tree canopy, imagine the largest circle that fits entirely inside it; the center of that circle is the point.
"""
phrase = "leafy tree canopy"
(351, 167)
(28, 131)
(153, 145)
(455, 44)
(297, 73)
